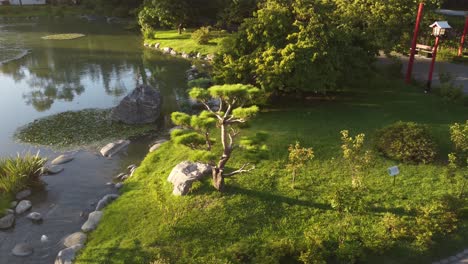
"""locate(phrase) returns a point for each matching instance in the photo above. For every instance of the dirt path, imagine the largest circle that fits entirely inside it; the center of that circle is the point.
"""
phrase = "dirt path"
(421, 70)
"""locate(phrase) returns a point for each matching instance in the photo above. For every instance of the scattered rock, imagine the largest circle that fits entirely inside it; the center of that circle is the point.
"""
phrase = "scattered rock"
(157, 145)
(146, 44)
(185, 55)
(55, 169)
(199, 55)
(173, 53)
(66, 256)
(141, 106)
(210, 57)
(22, 250)
(9, 211)
(121, 176)
(35, 217)
(131, 167)
(7, 221)
(44, 239)
(118, 185)
(92, 222)
(23, 206)
(23, 194)
(109, 183)
(113, 148)
(64, 158)
(13, 204)
(166, 50)
(107, 199)
(185, 173)
(157, 45)
(78, 238)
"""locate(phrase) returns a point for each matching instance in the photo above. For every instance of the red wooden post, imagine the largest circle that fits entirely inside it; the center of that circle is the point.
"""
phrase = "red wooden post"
(409, 71)
(431, 69)
(462, 41)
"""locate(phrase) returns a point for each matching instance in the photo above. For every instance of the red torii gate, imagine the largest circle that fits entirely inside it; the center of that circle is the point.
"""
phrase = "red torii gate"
(416, 32)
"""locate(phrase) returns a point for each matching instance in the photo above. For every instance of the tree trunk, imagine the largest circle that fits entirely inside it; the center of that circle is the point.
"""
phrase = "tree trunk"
(179, 29)
(218, 178)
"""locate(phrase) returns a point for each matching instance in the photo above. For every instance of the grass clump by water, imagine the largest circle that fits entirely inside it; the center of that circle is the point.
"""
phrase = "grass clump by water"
(16, 174)
(184, 42)
(260, 218)
(63, 36)
(85, 128)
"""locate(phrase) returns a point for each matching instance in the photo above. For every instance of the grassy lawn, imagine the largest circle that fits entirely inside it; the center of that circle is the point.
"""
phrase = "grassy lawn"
(261, 219)
(184, 42)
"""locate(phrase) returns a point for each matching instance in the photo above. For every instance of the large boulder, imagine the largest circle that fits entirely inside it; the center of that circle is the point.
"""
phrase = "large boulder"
(22, 250)
(7, 221)
(141, 106)
(67, 256)
(93, 220)
(185, 173)
(23, 206)
(107, 199)
(78, 238)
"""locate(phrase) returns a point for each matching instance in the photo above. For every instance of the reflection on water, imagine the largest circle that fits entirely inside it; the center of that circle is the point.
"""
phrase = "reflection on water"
(95, 71)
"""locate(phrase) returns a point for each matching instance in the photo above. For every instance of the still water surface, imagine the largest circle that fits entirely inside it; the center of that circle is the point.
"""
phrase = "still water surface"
(95, 71)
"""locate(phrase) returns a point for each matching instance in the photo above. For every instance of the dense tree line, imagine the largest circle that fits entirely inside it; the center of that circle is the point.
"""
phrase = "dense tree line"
(308, 45)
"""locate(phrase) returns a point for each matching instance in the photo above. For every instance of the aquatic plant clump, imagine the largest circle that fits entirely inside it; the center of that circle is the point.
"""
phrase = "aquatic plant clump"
(20, 171)
(79, 129)
(63, 36)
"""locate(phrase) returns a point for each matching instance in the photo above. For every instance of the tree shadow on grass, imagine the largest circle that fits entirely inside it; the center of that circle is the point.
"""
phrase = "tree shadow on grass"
(134, 253)
(267, 196)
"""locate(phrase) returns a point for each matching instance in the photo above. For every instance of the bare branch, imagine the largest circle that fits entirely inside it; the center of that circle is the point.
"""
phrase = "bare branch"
(241, 170)
(220, 105)
(228, 111)
(211, 110)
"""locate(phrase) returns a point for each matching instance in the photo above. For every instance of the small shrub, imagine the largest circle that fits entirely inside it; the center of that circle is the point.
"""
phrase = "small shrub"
(406, 142)
(355, 156)
(200, 83)
(201, 36)
(297, 159)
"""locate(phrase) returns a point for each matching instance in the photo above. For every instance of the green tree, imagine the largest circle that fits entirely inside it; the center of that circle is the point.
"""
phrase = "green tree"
(235, 106)
(309, 45)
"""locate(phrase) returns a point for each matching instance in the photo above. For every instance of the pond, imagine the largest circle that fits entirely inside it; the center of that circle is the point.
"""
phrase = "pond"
(41, 77)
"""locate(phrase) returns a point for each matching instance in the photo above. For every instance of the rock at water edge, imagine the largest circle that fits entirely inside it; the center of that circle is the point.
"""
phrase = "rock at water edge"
(157, 145)
(22, 250)
(141, 106)
(78, 238)
(64, 158)
(93, 220)
(35, 217)
(107, 199)
(185, 173)
(113, 148)
(55, 169)
(66, 256)
(7, 221)
(23, 194)
(23, 206)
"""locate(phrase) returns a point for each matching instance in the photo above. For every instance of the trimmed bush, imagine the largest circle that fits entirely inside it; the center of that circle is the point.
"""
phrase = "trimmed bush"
(407, 142)
(201, 35)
